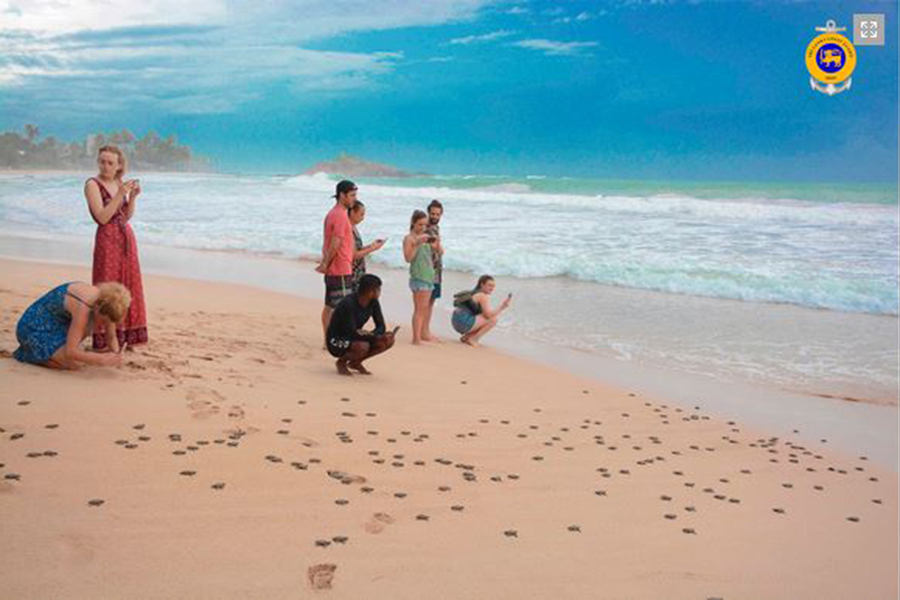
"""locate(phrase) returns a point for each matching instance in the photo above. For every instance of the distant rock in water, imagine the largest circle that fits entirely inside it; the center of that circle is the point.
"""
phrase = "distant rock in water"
(353, 166)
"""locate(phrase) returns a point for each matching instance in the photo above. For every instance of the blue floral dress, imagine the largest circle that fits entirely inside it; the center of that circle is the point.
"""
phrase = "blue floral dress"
(44, 327)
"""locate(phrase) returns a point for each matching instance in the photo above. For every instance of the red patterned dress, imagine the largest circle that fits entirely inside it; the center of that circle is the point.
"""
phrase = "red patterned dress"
(116, 259)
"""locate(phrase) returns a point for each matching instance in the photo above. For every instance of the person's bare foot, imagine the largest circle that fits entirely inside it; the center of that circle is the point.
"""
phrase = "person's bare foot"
(341, 365)
(359, 368)
(467, 340)
(432, 339)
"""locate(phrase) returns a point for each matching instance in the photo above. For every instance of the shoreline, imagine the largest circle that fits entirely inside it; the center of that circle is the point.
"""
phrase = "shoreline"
(857, 427)
(228, 454)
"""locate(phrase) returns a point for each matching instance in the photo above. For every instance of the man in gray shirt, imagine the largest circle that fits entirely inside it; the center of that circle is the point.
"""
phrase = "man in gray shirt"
(435, 212)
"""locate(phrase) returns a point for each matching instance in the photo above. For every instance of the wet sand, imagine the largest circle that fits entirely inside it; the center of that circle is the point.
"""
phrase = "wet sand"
(228, 460)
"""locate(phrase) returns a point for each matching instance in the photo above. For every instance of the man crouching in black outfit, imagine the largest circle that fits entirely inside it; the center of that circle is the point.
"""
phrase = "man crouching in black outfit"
(346, 339)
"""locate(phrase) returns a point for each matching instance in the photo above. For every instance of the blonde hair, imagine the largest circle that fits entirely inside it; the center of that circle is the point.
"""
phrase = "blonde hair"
(113, 301)
(123, 162)
(417, 215)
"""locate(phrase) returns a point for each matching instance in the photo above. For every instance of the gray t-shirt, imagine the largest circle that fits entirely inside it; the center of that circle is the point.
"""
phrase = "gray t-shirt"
(436, 257)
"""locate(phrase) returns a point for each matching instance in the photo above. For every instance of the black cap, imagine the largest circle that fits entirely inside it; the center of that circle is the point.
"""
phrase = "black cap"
(343, 187)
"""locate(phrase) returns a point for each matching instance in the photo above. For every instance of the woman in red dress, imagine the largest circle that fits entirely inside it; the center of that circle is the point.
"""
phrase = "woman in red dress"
(112, 203)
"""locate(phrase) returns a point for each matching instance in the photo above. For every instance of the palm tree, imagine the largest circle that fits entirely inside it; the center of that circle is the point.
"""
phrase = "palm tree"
(31, 132)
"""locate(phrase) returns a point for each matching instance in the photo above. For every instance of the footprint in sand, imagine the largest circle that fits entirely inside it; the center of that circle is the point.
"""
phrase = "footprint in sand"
(378, 522)
(321, 576)
(77, 549)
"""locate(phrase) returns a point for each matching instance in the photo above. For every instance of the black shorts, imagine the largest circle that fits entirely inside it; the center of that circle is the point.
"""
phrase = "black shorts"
(336, 288)
(337, 347)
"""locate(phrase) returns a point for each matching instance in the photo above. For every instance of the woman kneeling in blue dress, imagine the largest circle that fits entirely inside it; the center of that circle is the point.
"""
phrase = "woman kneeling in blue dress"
(51, 330)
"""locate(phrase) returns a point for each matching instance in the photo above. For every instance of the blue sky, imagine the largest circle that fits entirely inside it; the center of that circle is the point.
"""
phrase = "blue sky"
(617, 89)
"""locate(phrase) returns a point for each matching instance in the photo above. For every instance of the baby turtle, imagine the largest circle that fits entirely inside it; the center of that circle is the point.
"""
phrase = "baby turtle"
(342, 502)
(16, 436)
(689, 531)
(271, 458)
(780, 511)
(422, 517)
(511, 533)
(96, 502)
(366, 490)
(12, 476)
(188, 473)
(340, 539)
(574, 528)
(670, 516)
(138, 426)
(690, 509)
(50, 453)
(323, 543)
(218, 486)
(600, 492)
(131, 446)
(400, 495)
(665, 498)
(283, 432)
(444, 488)
(51, 425)
(853, 519)
(457, 507)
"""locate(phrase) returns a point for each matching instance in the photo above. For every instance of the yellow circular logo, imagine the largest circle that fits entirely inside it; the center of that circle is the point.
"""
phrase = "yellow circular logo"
(830, 58)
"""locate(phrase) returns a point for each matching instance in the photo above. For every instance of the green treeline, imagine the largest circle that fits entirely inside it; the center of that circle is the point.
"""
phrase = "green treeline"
(26, 150)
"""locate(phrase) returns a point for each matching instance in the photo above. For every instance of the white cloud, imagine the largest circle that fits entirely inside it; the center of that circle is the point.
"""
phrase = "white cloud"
(554, 48)
(199, 55)
(54, 17)
(486, 37)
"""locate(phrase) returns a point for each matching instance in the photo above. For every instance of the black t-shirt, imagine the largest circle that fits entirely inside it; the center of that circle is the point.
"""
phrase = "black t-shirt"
(349, 317)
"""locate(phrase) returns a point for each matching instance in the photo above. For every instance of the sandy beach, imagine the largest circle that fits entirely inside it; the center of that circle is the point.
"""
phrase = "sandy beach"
(228, 460)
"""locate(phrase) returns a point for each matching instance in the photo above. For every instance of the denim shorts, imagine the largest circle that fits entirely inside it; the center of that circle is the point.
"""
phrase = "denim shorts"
(418, 285)
(463, 320)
